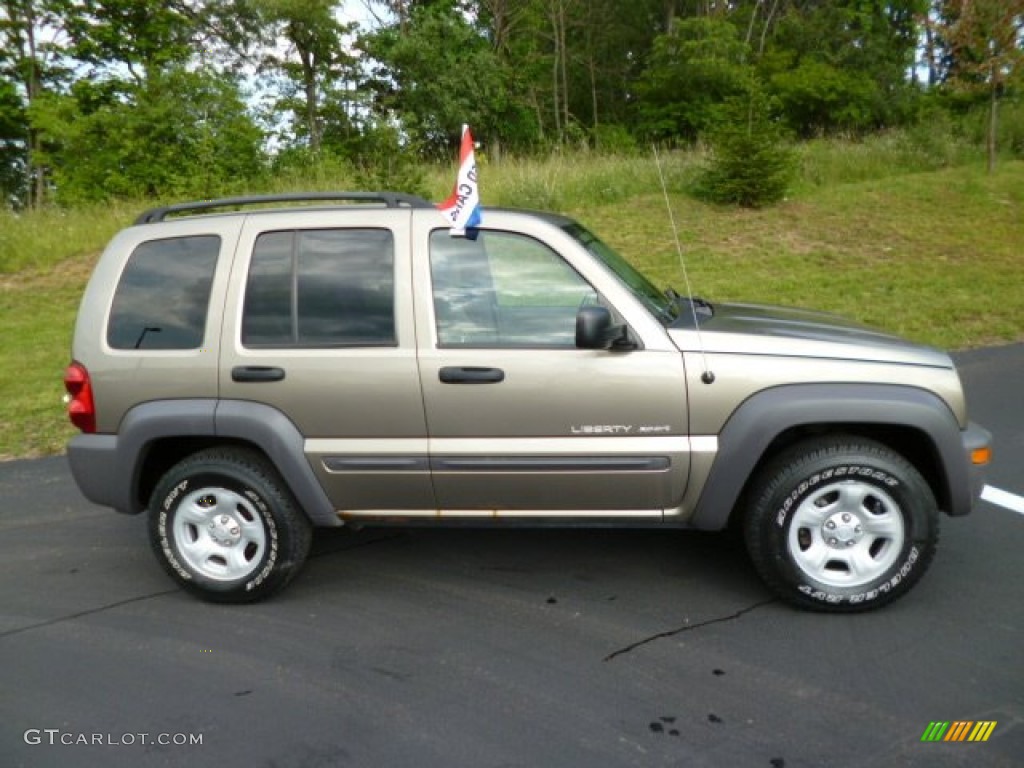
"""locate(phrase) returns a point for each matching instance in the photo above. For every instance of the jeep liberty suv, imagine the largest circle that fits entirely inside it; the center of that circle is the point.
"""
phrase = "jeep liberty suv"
(244, 373)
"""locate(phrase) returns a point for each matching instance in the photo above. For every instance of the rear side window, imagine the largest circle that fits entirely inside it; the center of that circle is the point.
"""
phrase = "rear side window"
(163, 296)
(321, 288)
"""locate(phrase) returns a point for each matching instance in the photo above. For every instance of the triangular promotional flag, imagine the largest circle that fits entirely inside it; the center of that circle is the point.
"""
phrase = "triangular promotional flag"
(462, 208)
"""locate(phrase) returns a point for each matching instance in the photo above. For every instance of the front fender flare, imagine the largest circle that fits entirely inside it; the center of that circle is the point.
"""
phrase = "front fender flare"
(753, 427)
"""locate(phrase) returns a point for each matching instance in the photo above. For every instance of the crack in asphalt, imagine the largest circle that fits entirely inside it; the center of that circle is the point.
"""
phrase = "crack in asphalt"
(80, 614)
(141, 598)
(688, 628)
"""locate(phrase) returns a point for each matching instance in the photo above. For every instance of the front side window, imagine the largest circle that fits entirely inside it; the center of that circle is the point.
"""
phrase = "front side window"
(504, 290)
(163, 296)
(321, 288)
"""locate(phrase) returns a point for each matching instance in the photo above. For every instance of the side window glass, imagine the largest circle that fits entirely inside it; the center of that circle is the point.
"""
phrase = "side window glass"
(267, 317)
(321, 288)
(163, 296)
(503, 290)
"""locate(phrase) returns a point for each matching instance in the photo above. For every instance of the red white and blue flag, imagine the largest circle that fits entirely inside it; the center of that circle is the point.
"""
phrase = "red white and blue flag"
(462, 208)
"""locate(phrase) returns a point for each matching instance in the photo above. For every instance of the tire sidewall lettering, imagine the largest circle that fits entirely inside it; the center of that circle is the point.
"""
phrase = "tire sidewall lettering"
(163, 525)
(169, 507)
(816, 479)
(272, 540)
(872, 594)
(801, 489)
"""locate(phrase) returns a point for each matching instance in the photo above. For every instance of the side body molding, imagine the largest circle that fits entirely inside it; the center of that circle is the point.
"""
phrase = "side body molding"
(764, 416)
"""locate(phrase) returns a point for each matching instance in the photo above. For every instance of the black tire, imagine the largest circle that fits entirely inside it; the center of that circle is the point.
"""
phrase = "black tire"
(226, 528)
(840, 524)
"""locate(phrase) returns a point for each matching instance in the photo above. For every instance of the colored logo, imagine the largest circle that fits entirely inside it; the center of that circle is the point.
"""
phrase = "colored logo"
(959, 730)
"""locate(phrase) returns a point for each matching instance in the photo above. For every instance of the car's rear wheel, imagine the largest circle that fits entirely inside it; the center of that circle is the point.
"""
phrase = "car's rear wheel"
(226, 528)
(841, 524)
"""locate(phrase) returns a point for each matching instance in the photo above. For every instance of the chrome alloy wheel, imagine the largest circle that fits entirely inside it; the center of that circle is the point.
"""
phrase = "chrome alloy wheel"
(846, 534)
(219, 534)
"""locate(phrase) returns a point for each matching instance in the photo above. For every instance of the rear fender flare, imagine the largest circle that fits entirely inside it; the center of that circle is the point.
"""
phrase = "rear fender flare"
(266, 428)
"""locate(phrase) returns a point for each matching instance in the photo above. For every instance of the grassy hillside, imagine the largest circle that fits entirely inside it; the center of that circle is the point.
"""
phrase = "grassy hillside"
(936, 255)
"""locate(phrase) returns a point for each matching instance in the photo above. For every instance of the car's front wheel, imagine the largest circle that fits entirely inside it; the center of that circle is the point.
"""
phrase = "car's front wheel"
(841, 524)
(225, 527)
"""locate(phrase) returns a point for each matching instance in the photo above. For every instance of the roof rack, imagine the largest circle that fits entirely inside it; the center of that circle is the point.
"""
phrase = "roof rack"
(389, 199)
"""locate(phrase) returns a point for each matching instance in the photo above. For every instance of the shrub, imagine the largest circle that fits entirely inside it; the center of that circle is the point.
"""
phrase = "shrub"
(750, 163)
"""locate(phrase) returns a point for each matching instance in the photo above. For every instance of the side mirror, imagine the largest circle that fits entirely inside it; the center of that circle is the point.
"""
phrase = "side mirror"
(594, 329)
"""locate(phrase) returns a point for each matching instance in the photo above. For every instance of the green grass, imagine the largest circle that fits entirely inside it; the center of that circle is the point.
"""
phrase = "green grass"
(935, 255)
(38, 311)
(828, 162)
(41, 238)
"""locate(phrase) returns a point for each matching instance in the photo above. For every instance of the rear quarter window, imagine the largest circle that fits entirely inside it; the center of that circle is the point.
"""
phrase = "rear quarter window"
(163, 296)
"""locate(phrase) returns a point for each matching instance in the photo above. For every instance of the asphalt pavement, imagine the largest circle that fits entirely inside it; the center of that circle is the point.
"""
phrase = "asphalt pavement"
(454, 648)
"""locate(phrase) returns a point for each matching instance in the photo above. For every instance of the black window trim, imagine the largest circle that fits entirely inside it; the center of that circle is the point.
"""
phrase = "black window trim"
(203, 330)
(438, 344)
(295, 344)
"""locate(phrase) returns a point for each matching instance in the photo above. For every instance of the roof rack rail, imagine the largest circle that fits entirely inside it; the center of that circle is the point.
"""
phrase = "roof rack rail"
(390, 200)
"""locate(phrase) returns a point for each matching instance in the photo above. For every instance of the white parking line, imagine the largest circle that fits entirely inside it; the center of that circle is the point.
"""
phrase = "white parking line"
(1003, 498)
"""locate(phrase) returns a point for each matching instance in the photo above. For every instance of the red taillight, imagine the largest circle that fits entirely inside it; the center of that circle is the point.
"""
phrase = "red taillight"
(81, 408)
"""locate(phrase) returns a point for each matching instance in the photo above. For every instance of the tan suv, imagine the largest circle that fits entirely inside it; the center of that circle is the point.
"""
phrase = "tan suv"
(246, 372)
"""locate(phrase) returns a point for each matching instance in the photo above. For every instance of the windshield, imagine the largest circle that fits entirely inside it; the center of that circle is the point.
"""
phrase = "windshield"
(661, 306)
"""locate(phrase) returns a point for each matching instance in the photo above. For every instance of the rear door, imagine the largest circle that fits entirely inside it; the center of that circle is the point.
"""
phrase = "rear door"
(522, 422)
(319, 325)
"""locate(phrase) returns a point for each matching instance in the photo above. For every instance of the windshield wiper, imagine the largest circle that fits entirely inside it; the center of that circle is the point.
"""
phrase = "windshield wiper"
(701, 306)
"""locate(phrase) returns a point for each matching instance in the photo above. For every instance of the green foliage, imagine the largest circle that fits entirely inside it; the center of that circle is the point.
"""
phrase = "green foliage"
(439, 72)
(372, 158)
(819, 98)
(314, 61)
(383, 161)
(93, 101)
(750, 165)
(36, 240)
(842, 66)
(1011, 126)
(140, 36)
(694, 69)
(300, 169)
(179, 134)
(13, 145)
(834, 161)
(614, 140)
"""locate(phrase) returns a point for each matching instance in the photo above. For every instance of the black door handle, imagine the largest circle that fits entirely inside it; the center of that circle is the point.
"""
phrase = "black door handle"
(471, 375)
(254, 373)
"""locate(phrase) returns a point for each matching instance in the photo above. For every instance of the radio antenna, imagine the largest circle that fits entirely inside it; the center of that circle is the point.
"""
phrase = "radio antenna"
(707, 376)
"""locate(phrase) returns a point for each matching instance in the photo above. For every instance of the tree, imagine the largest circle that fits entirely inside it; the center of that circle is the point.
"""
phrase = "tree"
(984, 39)
(315, 59)
(842, 65)
(750, 164)
(818, 97)
(180, 133)
(693, 70)
(31, 54)
(13, 135)
(442, 72)
(139, 37)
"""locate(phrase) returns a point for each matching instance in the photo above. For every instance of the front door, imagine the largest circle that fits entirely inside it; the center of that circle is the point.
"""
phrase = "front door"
(522, 422)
